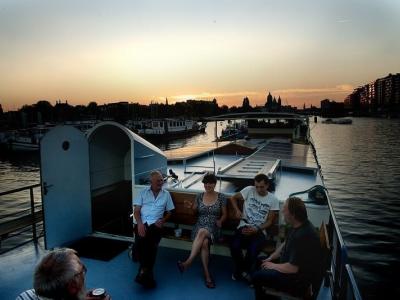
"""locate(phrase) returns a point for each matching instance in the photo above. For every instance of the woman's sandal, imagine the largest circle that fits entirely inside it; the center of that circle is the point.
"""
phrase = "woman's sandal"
(180, 266)
(210, 283)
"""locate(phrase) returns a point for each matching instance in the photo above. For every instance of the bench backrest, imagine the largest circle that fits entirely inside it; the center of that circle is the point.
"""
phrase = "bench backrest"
(188, 216)
(325, 257)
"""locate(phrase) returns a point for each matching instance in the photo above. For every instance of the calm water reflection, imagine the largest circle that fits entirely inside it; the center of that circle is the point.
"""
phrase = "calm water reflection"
(361, 166)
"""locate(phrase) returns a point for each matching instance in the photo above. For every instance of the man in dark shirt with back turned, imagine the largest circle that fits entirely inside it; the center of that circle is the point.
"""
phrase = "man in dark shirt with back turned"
(300, 255)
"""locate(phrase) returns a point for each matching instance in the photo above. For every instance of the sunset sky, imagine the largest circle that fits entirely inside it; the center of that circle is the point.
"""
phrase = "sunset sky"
(142, 51)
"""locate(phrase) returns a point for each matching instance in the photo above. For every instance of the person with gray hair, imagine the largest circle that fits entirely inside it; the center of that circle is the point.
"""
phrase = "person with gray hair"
(60, 275)
(152, 208)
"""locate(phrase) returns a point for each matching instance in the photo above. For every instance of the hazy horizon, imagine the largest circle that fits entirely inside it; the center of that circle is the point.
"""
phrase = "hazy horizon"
(102, 51)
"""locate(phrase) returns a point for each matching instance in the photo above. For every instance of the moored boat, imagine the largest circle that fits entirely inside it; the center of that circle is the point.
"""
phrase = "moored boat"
(342, 121)
(233, 131)
(28, 139)
(24, 139)
(165, 128)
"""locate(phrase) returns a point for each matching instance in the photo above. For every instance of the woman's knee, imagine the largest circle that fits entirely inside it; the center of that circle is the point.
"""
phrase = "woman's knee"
(203, 233)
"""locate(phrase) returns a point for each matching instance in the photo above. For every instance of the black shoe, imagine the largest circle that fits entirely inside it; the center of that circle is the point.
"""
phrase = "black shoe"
(246, 278)
(146, 280)
(140, 278)
(237, 276)
(243, 276)
(150, 283)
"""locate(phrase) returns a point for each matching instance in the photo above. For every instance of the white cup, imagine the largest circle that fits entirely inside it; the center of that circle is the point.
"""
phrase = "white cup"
(178, 232)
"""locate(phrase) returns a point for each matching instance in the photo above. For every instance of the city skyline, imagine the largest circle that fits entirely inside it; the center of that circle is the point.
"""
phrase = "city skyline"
(302, 51)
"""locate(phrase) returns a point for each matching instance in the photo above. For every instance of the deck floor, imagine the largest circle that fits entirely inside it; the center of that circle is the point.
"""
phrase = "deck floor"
(117, 275)
(193, 151)
(291, 155)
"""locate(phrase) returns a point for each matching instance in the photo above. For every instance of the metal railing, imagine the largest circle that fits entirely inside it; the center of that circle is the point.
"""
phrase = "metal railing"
(341, 277)
(21, 221)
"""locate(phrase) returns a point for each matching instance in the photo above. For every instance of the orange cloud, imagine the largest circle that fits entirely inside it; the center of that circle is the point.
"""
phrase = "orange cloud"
(347, 88)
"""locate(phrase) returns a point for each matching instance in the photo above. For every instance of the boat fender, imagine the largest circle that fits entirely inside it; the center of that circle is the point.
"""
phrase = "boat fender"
(316, 194)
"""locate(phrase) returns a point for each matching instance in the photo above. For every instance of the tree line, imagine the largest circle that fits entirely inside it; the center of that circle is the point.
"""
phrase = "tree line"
(44, 112)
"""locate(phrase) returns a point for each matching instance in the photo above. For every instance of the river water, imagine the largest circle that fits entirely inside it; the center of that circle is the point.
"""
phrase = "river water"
(361, 168)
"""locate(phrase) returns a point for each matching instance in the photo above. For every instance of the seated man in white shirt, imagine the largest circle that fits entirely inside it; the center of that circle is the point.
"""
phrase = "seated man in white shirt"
(152, 208)
(260, 210)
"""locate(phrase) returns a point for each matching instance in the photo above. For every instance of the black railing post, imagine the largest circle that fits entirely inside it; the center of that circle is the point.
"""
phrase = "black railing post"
(33, 214)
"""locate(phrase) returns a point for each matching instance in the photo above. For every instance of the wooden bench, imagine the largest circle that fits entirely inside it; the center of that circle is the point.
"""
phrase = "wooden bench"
(185, 218)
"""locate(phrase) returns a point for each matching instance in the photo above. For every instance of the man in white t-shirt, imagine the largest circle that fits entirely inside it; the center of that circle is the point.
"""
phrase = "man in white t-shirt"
(260, 210)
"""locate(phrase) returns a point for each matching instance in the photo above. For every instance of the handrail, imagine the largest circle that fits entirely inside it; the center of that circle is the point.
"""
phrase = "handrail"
(20, 189)
(352, 291)
(342, 282)
(21, 221)
(20, 212)
(340, 273)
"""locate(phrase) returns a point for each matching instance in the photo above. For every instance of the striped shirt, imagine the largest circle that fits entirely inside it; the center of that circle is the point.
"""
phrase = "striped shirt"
(30, 295)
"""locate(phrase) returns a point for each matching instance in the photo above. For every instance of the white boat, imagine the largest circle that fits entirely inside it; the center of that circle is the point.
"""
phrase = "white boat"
(165, 128)
(342, 121)
(27, 140)
(103, 170)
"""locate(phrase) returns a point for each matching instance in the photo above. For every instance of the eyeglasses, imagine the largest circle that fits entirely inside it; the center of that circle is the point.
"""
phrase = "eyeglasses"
(82, 272)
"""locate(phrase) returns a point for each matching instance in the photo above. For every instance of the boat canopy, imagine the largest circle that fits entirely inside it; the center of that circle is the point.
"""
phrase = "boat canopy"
(78, 173)
(112, 148)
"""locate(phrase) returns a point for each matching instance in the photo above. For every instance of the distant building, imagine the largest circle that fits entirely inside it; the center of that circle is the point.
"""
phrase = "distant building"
(332, 109)
(381, 96)
(272, 104)
(352, 101)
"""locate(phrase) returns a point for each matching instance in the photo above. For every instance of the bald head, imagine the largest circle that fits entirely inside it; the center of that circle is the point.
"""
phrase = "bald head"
(156, 181)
